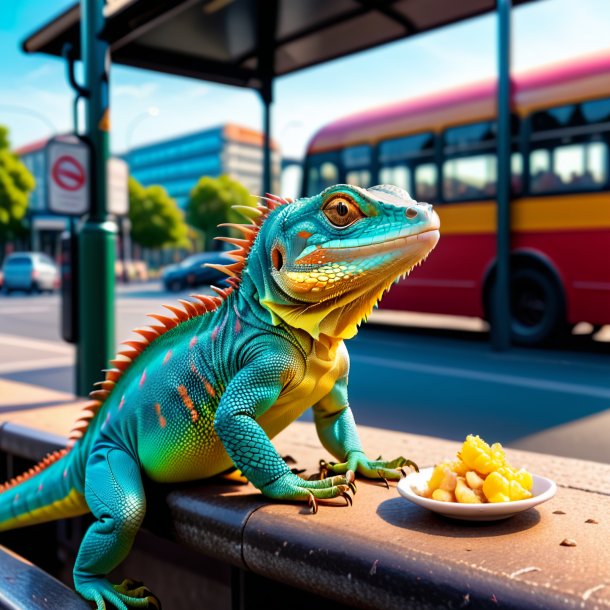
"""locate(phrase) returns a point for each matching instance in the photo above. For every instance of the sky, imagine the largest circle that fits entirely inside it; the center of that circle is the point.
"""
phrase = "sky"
(35, 99)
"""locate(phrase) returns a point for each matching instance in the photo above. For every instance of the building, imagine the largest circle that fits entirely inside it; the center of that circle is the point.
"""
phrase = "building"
(46, 227)
(178, 163)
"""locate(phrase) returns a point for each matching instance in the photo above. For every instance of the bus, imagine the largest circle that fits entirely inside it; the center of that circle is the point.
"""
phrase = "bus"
(442, 149)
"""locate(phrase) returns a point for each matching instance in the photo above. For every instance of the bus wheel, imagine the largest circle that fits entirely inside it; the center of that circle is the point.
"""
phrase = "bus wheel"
(537, 310)
(537, 307)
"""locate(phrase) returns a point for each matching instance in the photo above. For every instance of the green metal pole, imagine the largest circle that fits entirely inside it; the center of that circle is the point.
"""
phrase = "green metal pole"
(97, 241)
(267, 162)
(500, 327)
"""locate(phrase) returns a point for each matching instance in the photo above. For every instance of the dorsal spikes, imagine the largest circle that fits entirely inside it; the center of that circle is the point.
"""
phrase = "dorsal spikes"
(230, 270)
(220, 292)
(112, 374)
(137, 345)
(180, 314)
(169, 323)
(120, 363)
(205, 300)
(107, 384)
(189, 307)
(244, 244)
(148, 333)
(100, 395)
(247, 230)
(204, 303)
(247, 211)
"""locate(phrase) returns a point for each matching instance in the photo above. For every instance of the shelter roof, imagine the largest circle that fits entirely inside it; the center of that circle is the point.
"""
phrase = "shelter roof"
(245, 42)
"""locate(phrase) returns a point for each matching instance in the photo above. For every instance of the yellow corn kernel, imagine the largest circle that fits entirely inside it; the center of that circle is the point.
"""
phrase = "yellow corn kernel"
(474, 480)
(504, 487)
(464, 494)
(449, 481)
(459, 467)
(496, 488)
(438, 474)
(443, 496)
(479, 456)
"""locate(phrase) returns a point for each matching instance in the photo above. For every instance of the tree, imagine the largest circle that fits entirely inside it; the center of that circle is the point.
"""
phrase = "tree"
(210, 205)
(16, 184)
(156, 220)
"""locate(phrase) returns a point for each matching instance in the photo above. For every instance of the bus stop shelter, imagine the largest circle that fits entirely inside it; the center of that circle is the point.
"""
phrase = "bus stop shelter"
(245, 43)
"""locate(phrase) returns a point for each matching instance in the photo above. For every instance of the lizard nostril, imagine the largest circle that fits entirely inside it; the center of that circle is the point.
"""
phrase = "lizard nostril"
(411, 213)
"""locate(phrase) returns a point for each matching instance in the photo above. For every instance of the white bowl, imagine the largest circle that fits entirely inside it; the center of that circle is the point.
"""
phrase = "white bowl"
(543, 489)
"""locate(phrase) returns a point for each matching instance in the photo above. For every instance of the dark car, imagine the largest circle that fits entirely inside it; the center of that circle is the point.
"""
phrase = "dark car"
(192, 272)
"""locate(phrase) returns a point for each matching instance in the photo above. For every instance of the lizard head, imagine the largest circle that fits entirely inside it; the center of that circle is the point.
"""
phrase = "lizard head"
(327, 260)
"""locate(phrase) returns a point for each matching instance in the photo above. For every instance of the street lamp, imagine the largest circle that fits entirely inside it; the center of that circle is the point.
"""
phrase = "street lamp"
(151, 111)
(31, 113)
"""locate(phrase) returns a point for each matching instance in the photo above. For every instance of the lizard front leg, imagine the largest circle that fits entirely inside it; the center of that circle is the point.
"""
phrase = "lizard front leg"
(337, 431)
(251, 392)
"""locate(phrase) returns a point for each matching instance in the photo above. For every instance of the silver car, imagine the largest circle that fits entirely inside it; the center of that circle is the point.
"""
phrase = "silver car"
(29, 271)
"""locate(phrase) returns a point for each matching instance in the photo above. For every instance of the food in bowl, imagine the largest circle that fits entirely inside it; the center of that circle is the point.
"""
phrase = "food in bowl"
(480, 474)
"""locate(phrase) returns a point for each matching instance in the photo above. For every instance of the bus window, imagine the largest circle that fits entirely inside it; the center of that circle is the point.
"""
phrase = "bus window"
(469, 136)
(329, 175)
(426, 176)
(581, 166)
(399, 175)
(356, 156)
(469, 177)
(359, 178)
(516, 173)
(597, 111)
(399, 149)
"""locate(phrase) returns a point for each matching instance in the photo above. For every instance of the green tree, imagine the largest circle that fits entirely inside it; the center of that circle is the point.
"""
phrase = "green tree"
(16, 184)
(156, 220)
(210, 205)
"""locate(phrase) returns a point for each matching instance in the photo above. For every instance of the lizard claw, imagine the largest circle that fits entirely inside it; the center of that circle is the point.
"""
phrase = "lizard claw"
(313, 504)
(385, 481)
(412, 465)
(347, 498)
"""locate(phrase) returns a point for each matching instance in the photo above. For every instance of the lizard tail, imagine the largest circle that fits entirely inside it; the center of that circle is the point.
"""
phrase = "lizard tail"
(47, 492)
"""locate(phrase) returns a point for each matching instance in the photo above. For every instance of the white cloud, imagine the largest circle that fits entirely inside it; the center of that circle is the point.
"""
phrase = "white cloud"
(195, 92)
(139, 92)
(41, 72)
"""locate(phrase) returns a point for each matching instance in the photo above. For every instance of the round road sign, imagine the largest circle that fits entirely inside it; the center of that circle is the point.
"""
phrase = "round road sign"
(68, 173)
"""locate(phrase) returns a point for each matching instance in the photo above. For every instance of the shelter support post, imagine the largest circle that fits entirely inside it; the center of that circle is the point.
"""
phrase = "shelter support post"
(97, 242)
(267, 98)
(267, 15)
(501, 314)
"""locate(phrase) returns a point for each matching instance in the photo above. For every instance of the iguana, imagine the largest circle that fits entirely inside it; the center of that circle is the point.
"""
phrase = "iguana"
(207, 388)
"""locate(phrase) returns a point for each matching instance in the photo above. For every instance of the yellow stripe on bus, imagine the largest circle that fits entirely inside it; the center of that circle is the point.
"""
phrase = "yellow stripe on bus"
(559, 213)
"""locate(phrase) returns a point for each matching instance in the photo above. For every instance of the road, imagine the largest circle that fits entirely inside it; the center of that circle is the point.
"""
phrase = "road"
(431, 381)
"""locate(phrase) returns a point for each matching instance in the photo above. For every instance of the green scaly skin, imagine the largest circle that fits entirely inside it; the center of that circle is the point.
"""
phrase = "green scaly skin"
(211, 392)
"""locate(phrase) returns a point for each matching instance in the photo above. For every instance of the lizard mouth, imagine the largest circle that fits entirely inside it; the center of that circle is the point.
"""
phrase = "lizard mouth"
(406, 244)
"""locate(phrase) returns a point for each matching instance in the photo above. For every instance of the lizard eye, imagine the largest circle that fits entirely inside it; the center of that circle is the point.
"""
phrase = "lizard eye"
(342, 211)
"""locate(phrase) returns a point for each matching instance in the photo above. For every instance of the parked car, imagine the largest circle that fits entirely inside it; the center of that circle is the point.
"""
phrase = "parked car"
(191, 271)
(29, 271)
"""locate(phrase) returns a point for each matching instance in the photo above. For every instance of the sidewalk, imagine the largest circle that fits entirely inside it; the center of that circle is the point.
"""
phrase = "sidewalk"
(52, 411)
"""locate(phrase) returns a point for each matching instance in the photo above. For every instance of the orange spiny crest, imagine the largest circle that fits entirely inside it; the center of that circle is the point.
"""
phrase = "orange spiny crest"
(51, 458)
(181, 315)
(168, 323)
(189, 307)
(139, 346)
(256, 216)
(148, 333)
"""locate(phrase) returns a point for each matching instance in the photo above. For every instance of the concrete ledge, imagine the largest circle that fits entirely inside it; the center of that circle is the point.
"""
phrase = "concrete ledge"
(385, 553)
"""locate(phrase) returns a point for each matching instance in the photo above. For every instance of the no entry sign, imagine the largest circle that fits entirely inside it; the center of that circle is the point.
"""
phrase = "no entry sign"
(68, 173)
(68, 177)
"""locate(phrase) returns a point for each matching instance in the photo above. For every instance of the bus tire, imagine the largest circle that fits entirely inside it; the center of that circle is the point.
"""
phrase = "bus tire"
(537, 306)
